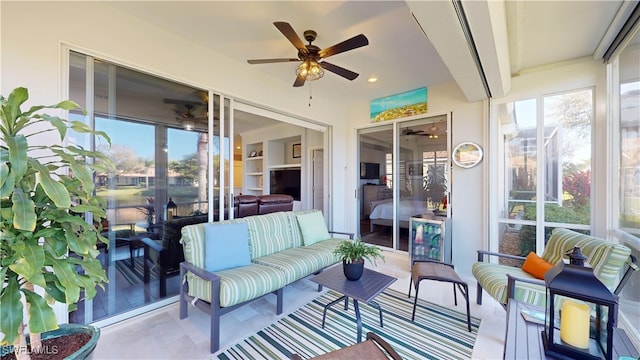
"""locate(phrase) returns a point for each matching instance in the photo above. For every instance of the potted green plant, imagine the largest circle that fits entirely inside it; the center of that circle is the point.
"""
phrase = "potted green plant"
(45, 242)
(353, 253)
(435, 185)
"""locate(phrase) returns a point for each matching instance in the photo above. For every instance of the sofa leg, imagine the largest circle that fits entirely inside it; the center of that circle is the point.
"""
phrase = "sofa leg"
(183, 293)
(279, 297)
(214, 331)
(479, 295)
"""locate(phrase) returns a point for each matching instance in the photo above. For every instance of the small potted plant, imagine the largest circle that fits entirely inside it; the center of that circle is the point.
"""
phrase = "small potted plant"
(45, 242)
(353, 253)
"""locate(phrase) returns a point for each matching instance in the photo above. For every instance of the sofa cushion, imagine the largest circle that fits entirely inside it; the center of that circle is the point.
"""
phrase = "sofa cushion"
(297, 263)
(193, 242)
(268, 234)
(605, 257)
(313, 228)
(536, 266)
(296, 233)
(271, 203)
(238, 285)
(493, 278)
(227, 246)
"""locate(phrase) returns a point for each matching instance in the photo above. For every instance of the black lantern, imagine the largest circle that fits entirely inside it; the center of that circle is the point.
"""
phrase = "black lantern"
(587, 312)
(172, 209)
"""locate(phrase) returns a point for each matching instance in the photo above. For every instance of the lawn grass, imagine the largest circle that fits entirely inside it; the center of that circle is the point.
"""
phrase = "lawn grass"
(137, 196)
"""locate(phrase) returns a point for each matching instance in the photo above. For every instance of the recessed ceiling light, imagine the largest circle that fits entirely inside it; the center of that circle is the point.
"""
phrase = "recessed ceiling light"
(372, 79)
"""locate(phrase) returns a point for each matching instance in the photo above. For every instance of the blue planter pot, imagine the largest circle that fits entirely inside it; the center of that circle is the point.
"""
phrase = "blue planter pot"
(353, 271)
(85, 352)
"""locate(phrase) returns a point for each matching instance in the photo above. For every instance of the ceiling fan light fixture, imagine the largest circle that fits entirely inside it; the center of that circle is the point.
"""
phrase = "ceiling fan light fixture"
(187, 124)
(310, 70)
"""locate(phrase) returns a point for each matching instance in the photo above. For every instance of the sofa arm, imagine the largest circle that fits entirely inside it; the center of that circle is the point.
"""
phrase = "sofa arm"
(511, 284)
(482, 253)
(200, 272)
(148, 242)
(342, 233)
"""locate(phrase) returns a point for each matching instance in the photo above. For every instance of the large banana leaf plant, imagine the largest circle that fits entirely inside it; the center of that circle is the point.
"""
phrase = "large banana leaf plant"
(47, 203)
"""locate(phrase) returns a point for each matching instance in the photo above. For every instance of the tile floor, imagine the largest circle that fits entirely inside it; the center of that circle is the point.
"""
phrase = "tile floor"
(160, 334)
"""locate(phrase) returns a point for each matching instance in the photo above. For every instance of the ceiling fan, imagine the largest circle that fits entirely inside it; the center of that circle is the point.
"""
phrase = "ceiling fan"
(310, 56)
(408, 131)
(432, 134)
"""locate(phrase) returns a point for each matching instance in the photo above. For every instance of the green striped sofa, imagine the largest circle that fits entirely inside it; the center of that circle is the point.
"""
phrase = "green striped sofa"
(278, 258)
(606, 258)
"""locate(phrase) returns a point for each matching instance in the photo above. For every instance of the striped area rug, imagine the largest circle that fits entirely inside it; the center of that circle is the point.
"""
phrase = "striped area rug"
(437, 333)
(136, 275)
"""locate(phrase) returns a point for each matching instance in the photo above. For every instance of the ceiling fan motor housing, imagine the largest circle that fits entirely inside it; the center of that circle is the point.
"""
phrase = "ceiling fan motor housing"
(310, 35)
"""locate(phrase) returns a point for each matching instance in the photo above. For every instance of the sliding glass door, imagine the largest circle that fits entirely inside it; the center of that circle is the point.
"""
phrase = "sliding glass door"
(179, 153)
(159, 134)
(404, 172)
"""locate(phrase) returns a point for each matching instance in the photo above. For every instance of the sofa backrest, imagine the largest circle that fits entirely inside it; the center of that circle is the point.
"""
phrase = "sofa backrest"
(605, 257)
(268, 234)
(245, 205)
(274, 202)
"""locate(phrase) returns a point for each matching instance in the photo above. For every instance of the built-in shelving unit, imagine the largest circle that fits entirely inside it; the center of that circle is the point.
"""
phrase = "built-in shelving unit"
(254, 169)
(263, 155)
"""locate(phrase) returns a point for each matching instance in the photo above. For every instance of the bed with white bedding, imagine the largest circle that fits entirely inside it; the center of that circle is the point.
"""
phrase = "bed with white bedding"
(382, 212)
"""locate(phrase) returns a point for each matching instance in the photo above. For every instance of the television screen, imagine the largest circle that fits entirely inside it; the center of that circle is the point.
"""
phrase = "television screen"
(285, 181)
(369, 170)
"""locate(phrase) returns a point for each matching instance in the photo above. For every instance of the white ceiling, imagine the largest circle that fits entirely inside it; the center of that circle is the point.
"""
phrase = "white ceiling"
(399, 54)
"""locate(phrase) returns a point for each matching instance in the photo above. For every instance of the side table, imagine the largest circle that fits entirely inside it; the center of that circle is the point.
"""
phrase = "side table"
(524, 340)
(370, 285)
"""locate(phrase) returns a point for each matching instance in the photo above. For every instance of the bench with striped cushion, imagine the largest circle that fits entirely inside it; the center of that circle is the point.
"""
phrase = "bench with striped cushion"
(605, 257)
(278, 258)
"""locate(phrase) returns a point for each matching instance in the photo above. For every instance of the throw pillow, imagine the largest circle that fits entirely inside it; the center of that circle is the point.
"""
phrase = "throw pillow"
(536, 266)
(226, 246)
(313, 228)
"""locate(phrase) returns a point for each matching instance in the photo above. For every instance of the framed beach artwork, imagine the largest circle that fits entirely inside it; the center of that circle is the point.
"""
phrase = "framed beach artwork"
(397, 106)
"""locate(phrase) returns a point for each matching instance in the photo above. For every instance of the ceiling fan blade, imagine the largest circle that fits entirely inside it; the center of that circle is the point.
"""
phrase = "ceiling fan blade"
(299, 81)
(350, 44)
(347, 74)
(182, 102)
(290, 34)
(268, 61)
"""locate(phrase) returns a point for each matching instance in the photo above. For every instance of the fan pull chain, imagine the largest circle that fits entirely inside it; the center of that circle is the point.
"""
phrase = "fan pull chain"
(310, 97)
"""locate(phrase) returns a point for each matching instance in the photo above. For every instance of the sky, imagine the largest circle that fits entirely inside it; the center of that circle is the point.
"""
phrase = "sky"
(140, 138)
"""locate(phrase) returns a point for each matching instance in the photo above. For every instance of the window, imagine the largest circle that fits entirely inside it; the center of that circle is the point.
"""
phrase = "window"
(546, 168)
(626, 80)
(630, 157)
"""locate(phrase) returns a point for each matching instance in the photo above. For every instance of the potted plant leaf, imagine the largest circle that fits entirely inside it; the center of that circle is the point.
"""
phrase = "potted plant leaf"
(353, 253)
(47, 214)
